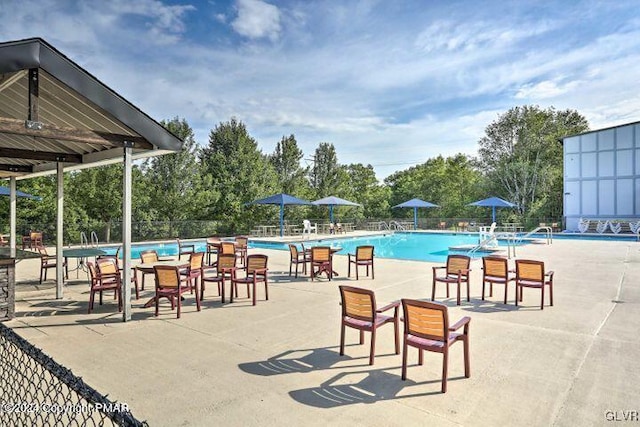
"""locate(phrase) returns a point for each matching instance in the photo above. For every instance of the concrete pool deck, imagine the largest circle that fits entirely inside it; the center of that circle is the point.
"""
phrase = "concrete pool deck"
(277, 363)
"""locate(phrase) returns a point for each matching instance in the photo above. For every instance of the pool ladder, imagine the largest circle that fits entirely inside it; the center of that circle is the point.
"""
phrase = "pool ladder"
(84, 241)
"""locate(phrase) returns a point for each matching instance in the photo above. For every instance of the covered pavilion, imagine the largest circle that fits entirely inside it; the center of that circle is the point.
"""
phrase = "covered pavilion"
(56, 117)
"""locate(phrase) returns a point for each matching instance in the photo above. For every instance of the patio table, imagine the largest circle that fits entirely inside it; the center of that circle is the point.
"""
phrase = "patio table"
(149, 268)
(81, 254)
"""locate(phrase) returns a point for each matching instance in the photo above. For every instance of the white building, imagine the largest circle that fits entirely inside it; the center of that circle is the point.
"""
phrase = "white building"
(602, 175)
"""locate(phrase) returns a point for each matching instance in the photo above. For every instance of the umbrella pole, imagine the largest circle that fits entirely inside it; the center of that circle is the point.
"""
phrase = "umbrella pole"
(415, 218)
(493, 213)
(331, 213)
(281, 220)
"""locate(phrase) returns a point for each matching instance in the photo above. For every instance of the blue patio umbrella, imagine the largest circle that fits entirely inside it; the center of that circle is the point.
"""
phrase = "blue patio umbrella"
(415, 204)
(5, 191)
(281, 199)
(493, 203)
(332, 201)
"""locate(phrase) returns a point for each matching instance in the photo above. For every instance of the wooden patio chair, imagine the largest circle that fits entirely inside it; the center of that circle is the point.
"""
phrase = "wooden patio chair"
(225, 269)
(456, 271)
(426, 327)
(105, 276)
(363, 256)
(255, 272)
(296, 257)
(32, 241)
(213, 243)
(359, 311)
(49, 261)
(148, 257)
(227, 247)
(185, 249)
(531, 274)
(168, 285)
(194, 272)
(134, 276)
(321, 261)
(242, 246)
(495, 270)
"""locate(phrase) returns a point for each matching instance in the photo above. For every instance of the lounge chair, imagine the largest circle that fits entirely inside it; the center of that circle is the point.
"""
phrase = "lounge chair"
(602, 226)
(583, 225)
(359, 311)
(634, 227)
(615, 226)
(531, 274)
(426, 327)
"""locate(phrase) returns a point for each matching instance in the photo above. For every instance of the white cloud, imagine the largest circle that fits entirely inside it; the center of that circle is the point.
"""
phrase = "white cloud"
(257, 19)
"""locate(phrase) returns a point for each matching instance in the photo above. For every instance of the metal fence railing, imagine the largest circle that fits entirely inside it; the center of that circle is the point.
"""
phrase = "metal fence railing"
(36, 390)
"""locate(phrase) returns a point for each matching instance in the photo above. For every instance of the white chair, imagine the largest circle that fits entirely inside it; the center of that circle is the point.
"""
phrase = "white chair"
(634, 227)
(615, 226)
(601, 227)
(583, 225)
(308, 228)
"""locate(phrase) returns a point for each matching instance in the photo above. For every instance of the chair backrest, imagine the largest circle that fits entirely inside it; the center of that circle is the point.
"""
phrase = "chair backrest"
(426, 319)
(148, 256)
(196, 260)
(320, 253)
(92, 271)
(242, 242)
(107, 265)
(495, 266)
(226, 260)
(529, 270)
(364, 253)
(118, 252)
(358, 303)
(227, 248)
(167, 276)
(256, 262)
(42, 251)
(457, 262)
(492, 229)
(293, 251)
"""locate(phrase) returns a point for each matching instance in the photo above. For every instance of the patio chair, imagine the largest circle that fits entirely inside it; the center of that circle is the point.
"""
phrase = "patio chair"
(321, 261)
(531, 274)
(615, 226)
(297, 258)
(583, 225)
(147, 257)
(169, 285)
(49, 261)
(225, 269)
(228, 248)
(602, 226)
(256, 271)
(363, 256)
(103, 282)
(495, 270)
(32, 241)
(359, 311)
(213, 243)
(194, 271)
(242, 246)
(183, 249)
(107, 269)
(442, 225)
(339, 228)
(426, 327)
(456, 271)
(634, 227)
(307, 228)
(3, 240)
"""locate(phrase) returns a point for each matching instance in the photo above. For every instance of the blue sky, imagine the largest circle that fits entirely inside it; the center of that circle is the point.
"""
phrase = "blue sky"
(389, 83)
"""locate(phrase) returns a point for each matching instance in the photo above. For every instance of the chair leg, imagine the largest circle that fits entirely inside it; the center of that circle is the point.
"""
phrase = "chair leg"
(373, 276)
(420, 357)
(119, 298)
(469, 289)
(404, 358)
(356, 267)
(550, 293)
(342, 327)
(361, 337)
(135, 283)
(179, 303)
(254, 292)
(349, 269)
(41, 271)
(447, 289)
(397, 334)
(458, 294)
(143, 276)
(433, 289)
(91, 296)
(542, 297)
(197, 296)
(157, 302)
(506, 289)
(445, 363)
(483, 284)
(291, 265)
(266, 289)
(467, 364)
(373, 344)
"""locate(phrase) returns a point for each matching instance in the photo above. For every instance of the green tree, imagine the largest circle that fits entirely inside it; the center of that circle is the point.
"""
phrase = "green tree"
(176, 185)
(325, 175)
(521, 156)
(366, 190)
(286, 163)
(240, 173)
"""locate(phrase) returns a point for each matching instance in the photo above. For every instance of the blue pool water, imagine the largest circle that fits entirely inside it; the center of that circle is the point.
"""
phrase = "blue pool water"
(402, 245)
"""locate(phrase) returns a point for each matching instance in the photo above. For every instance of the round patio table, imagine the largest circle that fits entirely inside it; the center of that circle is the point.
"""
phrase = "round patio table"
(81, 254)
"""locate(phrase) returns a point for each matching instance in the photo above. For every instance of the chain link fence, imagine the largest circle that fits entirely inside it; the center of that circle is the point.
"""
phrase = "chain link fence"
(36, 390)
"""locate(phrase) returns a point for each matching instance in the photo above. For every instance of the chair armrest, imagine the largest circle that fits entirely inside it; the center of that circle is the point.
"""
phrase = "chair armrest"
(389, 306)
(464, 270)
(549, 273)
(261, 270)
(439, 268)
(460, 323)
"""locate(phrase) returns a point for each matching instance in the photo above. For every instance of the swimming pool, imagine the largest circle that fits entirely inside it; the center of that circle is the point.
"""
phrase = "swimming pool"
(410, 246)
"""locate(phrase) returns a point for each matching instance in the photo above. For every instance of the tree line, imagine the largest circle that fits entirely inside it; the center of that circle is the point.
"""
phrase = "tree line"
(204, 190)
